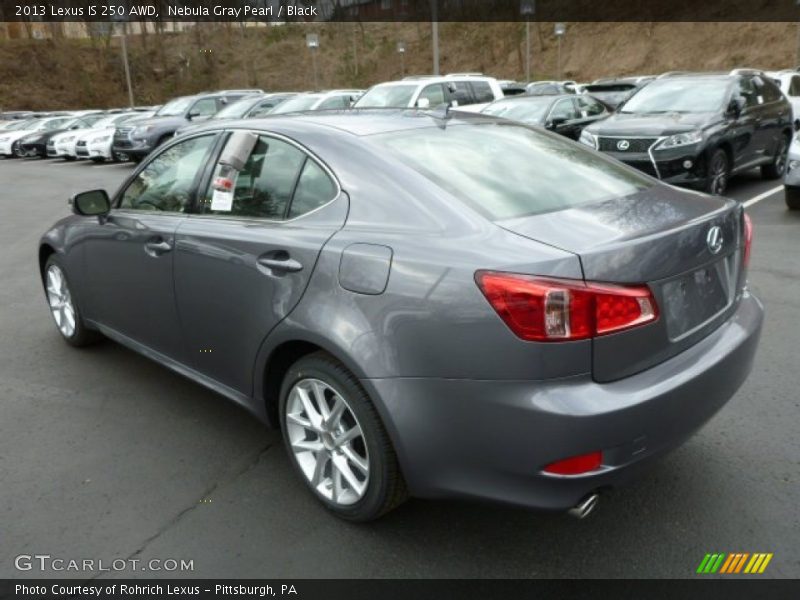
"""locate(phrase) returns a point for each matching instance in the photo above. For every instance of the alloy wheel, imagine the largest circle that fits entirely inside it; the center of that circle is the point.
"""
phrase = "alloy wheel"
(60, 301)
(719, 175)
(783, 153)
(327, 442)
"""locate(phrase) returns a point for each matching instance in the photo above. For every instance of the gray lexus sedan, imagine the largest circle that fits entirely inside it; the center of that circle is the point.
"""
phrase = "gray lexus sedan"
(426, 304)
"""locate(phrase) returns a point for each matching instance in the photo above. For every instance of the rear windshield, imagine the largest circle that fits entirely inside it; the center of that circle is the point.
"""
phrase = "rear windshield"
(503, 170)
(527, 110)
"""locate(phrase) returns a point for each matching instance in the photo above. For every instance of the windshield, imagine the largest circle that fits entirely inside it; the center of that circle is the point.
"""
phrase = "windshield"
(527, 111)
(175, 107)
(296, 104)
(387, 96)
(61, 123)
(503, 170)
(679, 95)
(19, 125)
(237, 109)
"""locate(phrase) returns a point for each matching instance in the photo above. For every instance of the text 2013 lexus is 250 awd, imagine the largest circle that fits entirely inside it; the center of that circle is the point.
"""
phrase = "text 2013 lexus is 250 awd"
(427, 304)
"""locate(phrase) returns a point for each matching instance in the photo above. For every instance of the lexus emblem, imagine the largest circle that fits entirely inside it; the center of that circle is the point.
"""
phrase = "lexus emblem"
(623, 145)
(714, 239)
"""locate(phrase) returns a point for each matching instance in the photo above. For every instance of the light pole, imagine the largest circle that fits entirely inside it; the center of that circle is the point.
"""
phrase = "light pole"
(124, 39)
(401, 50)
(435, 35)
(560, 29)
(527, 8)
(797, 57)
(312, 41)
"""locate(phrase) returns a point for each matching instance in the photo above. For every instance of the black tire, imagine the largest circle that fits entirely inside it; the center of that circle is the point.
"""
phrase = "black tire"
(82, 336)
(792, 196)
(718, 172)
(135, 158)
(69, 157)
(776, 169)
(98, 160)
(386, 488)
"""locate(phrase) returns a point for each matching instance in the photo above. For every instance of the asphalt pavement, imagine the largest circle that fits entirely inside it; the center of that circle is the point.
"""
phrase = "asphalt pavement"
(105, 455)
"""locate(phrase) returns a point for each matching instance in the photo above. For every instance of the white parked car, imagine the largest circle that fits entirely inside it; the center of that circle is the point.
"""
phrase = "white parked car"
(8, 137)
(789, 82)
(330, 100)
(63, 144)
(96, 143)
(466, 92)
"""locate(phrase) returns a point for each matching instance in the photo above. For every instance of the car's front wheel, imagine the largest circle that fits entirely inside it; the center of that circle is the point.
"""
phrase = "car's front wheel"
(336, 440)
(792, 195)
(776, 168)
(718, 172)
(63, 307)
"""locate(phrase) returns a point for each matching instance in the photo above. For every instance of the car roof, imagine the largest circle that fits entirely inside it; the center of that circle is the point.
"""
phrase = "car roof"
(428, 79)
(357, 121)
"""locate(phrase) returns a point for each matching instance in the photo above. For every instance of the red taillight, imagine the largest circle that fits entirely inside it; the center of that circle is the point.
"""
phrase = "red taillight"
(748, 239)
(551, 310)
(576, 465)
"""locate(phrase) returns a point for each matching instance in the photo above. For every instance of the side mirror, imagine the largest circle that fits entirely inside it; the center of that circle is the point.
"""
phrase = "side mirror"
(193, 114)
(423, 103)
(94, 203)
(555, 122)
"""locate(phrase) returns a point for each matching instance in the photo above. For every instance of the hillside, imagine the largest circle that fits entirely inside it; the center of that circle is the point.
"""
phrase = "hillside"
(66, 73)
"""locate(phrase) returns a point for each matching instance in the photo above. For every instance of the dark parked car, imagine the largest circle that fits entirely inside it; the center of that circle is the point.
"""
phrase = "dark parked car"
(699, 129)
(424, 304)
(249, 107)
(614, 91)
(566, 114)
(136, 142)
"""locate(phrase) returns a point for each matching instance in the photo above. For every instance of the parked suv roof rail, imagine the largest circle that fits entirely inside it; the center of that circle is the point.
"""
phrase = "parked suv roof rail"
(746, 71)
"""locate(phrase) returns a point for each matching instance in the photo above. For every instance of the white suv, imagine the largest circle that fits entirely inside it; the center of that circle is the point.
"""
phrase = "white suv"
(465, 92)
(789, 82)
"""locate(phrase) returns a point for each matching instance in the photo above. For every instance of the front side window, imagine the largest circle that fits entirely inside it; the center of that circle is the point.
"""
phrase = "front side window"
(589, 106)
(297, 104)
(564, 110)
(460, 93)
(747, 91)
(433, 93)
(525, 109)
(503, 170)
(204, 108)
(264, 187)
(175, 107)
(166, 183)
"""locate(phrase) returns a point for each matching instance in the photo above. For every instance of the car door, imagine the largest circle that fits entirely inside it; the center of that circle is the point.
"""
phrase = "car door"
(744, 125)
(563, 119)
(243, 262)
(129, 255)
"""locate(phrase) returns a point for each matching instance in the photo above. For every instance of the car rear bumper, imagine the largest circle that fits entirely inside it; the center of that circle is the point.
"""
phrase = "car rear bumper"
(491, 439)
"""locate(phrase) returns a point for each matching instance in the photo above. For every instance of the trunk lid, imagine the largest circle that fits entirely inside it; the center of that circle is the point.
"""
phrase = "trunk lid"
(660, 237)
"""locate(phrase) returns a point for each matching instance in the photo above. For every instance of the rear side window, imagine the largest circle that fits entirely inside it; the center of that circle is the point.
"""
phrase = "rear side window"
(794, 86)
(314, 189)
(504, 171)
(770, 91)
(204, 108)
(482, 91)
(334, 102)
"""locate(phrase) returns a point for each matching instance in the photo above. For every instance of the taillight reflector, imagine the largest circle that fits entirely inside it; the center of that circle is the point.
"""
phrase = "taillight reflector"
(748, 239)
(550, 310)
(576, 465)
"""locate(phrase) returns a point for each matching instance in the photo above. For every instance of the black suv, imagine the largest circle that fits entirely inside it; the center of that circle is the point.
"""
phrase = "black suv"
(134, 142)
(697, 129)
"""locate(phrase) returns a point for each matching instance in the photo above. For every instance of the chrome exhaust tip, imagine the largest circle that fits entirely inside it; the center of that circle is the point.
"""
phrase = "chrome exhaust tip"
(585, 507)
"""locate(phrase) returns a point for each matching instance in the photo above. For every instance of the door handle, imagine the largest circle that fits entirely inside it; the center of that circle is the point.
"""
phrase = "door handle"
(282, 264)
(157, 248)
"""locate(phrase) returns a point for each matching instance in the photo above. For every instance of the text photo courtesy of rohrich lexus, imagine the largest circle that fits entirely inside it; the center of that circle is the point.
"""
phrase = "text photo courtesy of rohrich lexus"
(285, 289)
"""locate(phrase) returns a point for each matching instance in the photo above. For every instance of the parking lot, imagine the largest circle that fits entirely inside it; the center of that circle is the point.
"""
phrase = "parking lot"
(104, 454)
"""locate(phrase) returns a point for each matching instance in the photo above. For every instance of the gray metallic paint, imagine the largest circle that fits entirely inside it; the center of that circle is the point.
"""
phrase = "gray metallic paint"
(471, 409)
